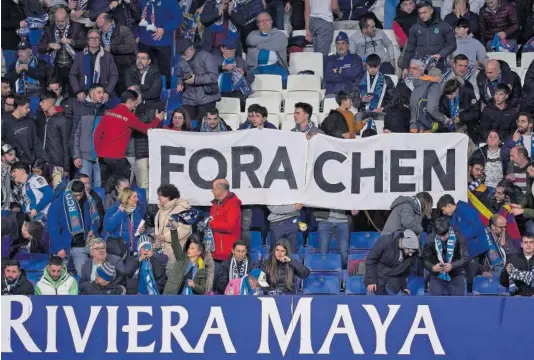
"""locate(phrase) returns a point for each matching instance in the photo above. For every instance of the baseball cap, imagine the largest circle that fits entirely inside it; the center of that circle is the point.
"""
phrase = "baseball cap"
(23, 45)
(7, 148)
(410, 240)
(260, 277)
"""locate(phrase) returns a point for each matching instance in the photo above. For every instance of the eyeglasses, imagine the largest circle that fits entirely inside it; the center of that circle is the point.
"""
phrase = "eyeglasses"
(100, 248)
(10, 105)
(94, 38)
(501, 227)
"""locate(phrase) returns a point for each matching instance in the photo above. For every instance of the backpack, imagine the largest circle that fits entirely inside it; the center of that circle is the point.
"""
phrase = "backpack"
(334, 124)
(425, 121)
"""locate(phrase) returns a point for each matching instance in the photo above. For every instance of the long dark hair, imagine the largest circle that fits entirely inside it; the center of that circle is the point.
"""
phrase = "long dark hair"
(274, 264)
(187, 119)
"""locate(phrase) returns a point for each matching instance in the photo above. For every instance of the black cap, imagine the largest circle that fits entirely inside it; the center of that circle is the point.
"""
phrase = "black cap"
(183, 45)
(6, 148)
(23, 45)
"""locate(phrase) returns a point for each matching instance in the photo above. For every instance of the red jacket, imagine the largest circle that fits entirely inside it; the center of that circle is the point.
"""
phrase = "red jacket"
(226, 225)
(115, 129)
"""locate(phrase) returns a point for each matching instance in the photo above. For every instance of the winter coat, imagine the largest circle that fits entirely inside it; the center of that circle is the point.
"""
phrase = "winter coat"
(76, 33)
(60, 236)
(131, 271)
(466, 221)
(92, 288)
(124, 14)
(12, 15)
(405, 214)
(402, 24)
(22, 135)
(204, 66)
(123, 48)
(83, 121)
(504, 19)
(351, 73)
(168, 16)
(225, 224)
(208, 17)
(117, 222)
(527, 94)
(509, 78)
(116, 261)
(108, 72)
(41, 73)
(298, 269)
(355, 9)
(469, 112)
(424, 39)
(397, 119)
(64, 285)
(473, 18)
(504, 121)
(223, 277)
(54, 132)
(176, 275)
(520, 262)
(433, 90)
(364, 46)
(23, 286)
(388, 95)
(335, 125)
(460, 258)
(382, 263)
(150, 89)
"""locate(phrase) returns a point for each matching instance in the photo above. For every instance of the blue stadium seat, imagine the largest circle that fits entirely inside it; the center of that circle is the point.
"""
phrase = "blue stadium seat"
(363, 240)
(322, 284)
(324, 263)
(256, 256)
(296, 257)
(164, 95)
(33, 262)
(354, 286)
(255, 241)
(194, 124)
(5, 213)
(313, 240)
(101, 192)
(416, 285)
(484, 285)
(34, 276)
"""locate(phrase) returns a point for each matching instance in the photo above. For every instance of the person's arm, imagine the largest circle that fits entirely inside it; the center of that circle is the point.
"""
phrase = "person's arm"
(482, 55)
(371, 261)
(354, 72)
(43, 43)
(136, 124)
(209, 14)
(99, 134)
(200, 283)
(74, 287)
(226, 223)
(65, 139)
(126, 45)
(222, 278)
(513, 21)
(402, 38)
(176, 19)
(409, 220)
(75, 73)
(46, 199)
(280, 40)
(432, 106)
(427, 255)
(389, 48)
(113, 76)
(505, 277)
(409, 50)
(37, 145)
(176, 247)
(307, 11)
(464, 256)
(329, 75)
(300, 269)
(450, 42)
(209, 264)
(113, 218)
(159, 273)
(485, 33)
(212, 72)
(98, 7)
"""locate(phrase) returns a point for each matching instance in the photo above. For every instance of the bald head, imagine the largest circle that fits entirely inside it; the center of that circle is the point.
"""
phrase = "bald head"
(61, 17)
(103, 22)
(221, 188)
(493, 70)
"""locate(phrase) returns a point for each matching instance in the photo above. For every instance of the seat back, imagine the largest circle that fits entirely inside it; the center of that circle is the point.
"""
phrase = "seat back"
(483, 285)
(323, 262)
(322, 284)
(306, 61)
(272, 104)
(267, 83)
(229, 105)
(509, 58)
(363, 239)
(304, 83)
(231, 120)
(354, 286)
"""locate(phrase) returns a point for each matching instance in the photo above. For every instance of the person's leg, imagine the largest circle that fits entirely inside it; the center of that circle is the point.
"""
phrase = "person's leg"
(87, 168)
(323, 35)
(292, 233)
(325, 230)
(131, 161)
(393, 286)
(342, 241)
(141, 173)
(97, 179)
(79, 256)
(164, 55)
(276, 10)
(114, 167)
(457, 286)
(193, 112)
(435, 287)
(387, 68)
(297, 15)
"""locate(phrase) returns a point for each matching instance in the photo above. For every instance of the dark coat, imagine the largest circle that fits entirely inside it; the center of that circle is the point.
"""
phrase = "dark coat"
(527, 94)
(92, 288)
(388, 96)
(22, 135)
(397, 119)
(504, 121)
(76, 33)
(299, 270)
(132, 265)
(460, 258)
(504, 19)
(54, 133)
(41, 72)
(473, 18)
(108, 77)
(208, 17)
(123, 14)
(99, 207)
(123, 48)
(12, 15)
(23, 286)
(151, 89)
(519, 261)
(509, 78)
(223, 277)
(469, 111)
(87, 267)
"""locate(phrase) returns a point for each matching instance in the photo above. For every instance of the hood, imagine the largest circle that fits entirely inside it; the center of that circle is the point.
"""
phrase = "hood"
(409, 200)
(64, 274)
(467, 40)
(174, 203)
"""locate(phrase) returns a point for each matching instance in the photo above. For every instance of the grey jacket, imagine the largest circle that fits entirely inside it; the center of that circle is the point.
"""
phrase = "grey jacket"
(432, 107)
(206, 70)
(380, 44)
(282, 212)
(275, 41)
(82, 128)
(405, 214)
(472, 48)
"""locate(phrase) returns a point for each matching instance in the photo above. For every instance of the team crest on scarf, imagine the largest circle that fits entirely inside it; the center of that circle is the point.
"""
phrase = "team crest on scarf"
(75, 221)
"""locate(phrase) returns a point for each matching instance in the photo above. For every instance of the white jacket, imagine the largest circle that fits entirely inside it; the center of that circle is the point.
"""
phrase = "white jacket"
(65, 285)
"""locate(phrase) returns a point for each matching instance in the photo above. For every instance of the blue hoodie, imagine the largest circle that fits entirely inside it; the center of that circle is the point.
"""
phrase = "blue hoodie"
(169, 16)
(351, 73)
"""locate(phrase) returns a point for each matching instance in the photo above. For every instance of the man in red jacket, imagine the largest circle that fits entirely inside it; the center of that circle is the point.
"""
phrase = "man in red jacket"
(113, 134)
(225, 215)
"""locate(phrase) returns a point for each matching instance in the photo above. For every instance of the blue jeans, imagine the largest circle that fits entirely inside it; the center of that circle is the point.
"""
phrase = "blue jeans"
(341, 231)
(92, 169)
(10, 56)
(288, 229)
(277, 12)
(78, 256)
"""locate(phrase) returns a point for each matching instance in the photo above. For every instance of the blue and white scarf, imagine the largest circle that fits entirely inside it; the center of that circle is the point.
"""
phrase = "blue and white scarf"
(246, 289)
(91, 78)
(218, 26)
(499, 45)
(454, 106)
(74, 213)
(147, 282)
(377, 88)
(520, 142)
(496, 255)
(449, 73)
(20, 85)
(205, 128)
(225, 78)
(106, 36)
(451, 243)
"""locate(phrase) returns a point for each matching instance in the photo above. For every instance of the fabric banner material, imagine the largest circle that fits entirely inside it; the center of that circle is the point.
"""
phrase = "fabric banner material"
(275, 167)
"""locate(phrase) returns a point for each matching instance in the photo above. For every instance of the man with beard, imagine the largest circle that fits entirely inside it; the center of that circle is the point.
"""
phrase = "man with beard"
(461, 68)
(520, 161)
(14, 281)
(36, 193)
(8, 158)
(476, 177)
(523, 135)
(147, 75)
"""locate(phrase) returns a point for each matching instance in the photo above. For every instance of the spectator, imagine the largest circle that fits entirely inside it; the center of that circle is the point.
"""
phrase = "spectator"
(159, 20)
(197, 74)
(389, 262)
(27, 237)
(180, 121)
(124, 219)
(407, 213)
(251, 284)
(148, 77)
(258, 115)
(86, 180)
(517, 275)
(235, 76)
(493, 157)
(376, 90)
(111, 136)
(79, 12)
(103, 283)
(445, 257)
(498, 72)
(62, 99)
(87, 116)
(282, 270)
(14, 281)
(68, 235)
(91, 66)
(416, 70)
(370, 40)
(36, 193)
(8, 104)
(526, 22)
(119, 41)
(523, 135)
(267, 49)
(124, 13)
(283, 223)
(476, 177)
(459, 104)
(6, 89)
(406, 17)
(426, 95)
(9, 156)
(500, 19)
(520, 161)
(467, 44)
(235, 268)
(501, 247)
(448, 7)
(505, 193)
(499, 115)
(146, 274)
(303, 122)
(244, 14)
(462, 11)
(342, 69)
(61, 40)
(27, 75)
(344, 102)
(53, 130)
(319, 18)
(56, 280)
(212, 122)
(527, 94)
(397, 119)
(12, 20)
(219, 25)
(113, 188)
(98, 256)
(188, 276)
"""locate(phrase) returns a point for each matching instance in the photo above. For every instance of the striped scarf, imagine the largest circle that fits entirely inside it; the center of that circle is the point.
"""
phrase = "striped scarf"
(144, 23)
(451, 243)
(225, 78)
(237, 271)
(449, 73)
(377, 88)
(74, 213)
(24, 79)
(106, 37)
(94, 77)
(496, 255)
(306, 130)
(520, 142)
(526, 277)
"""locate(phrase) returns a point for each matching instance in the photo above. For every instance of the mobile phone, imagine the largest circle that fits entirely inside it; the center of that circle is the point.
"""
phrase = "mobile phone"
(369, 94)
(189, 76)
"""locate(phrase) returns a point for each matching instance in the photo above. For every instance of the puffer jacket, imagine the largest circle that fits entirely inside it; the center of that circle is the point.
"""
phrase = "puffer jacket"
(424, 39)
(83, 121)
(225, 224)
(493, 118)
(405, 214)
(509, 78)
(504, 19)
(117, 223)
(64, 285)
(204, 66)
(22, 287)
(520, 262)
(460, 258)
(123, 48)
(54, 132)
(296, 267)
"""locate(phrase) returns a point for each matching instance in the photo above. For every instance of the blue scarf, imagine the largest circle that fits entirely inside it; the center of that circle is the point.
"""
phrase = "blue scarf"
(199, 265)
(451, 243)
(377, 88)
(225, 78)
(91, 78)
(147, 283)
(218, 26)
(496, 255)
(449, 73)
(106, 37)
(24, 78)
(454, 105)
(520, 142)
(74, 213)
(205, 128)
(499, 45)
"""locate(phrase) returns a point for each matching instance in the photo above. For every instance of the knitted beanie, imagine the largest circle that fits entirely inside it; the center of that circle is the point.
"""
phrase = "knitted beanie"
(106, 271)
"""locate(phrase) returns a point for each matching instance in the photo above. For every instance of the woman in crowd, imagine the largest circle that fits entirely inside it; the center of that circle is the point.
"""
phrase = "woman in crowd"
(494, 159)
(180, 121)
(406, 17)
(113, 189)
(461, 10)
(122, 220)
(235, 267)
(282, 270)
(97, 256)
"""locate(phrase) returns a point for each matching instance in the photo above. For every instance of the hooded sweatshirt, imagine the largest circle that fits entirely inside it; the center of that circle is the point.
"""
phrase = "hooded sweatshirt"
(472, 48)
(22, 135)
(64, 285)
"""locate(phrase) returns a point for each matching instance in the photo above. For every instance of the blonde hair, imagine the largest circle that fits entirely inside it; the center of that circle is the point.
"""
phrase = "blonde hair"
(125, 195)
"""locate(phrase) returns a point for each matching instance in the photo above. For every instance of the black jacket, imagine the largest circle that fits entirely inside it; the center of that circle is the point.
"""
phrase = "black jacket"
(223, 278)
(509, 78)
(299, 270)
(210, 15)
(123, 48)
(12, 15)
(76, 33)
(131, 265)
(504, 121)
(151, 89)
(22, 287)
(460, 258)
(21, 134)
(520, 262)
(469, 111)
(92, 288)
(397, 119)
(527, 94)
(41, 72)
(54, 134)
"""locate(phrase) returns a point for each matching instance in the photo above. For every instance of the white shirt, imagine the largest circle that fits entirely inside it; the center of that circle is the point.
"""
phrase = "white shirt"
(321, 9)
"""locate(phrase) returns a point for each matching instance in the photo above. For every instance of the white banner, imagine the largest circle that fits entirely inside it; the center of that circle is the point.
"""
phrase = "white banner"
(277, 167)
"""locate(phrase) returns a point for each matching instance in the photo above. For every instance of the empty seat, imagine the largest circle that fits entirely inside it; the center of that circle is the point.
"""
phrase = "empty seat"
(229, 105)
(231, 120)
(311, 97)
(304, 83)
(354, 286)
(394, 78)
(509, 58)
(274, 119)
(272, 104)
(526, 59)
(306, 62)
(329, 104)
(255, 240)
(363, 239)
(484, 285)
(323, 262)
(416, 285)
(322, 284)
(33, 262)
(267, 83)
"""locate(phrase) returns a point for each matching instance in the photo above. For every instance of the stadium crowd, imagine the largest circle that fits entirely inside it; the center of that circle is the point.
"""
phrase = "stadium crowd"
(86, 80)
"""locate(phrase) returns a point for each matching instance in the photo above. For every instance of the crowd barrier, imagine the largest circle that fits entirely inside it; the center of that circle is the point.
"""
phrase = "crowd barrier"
(329, 327)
